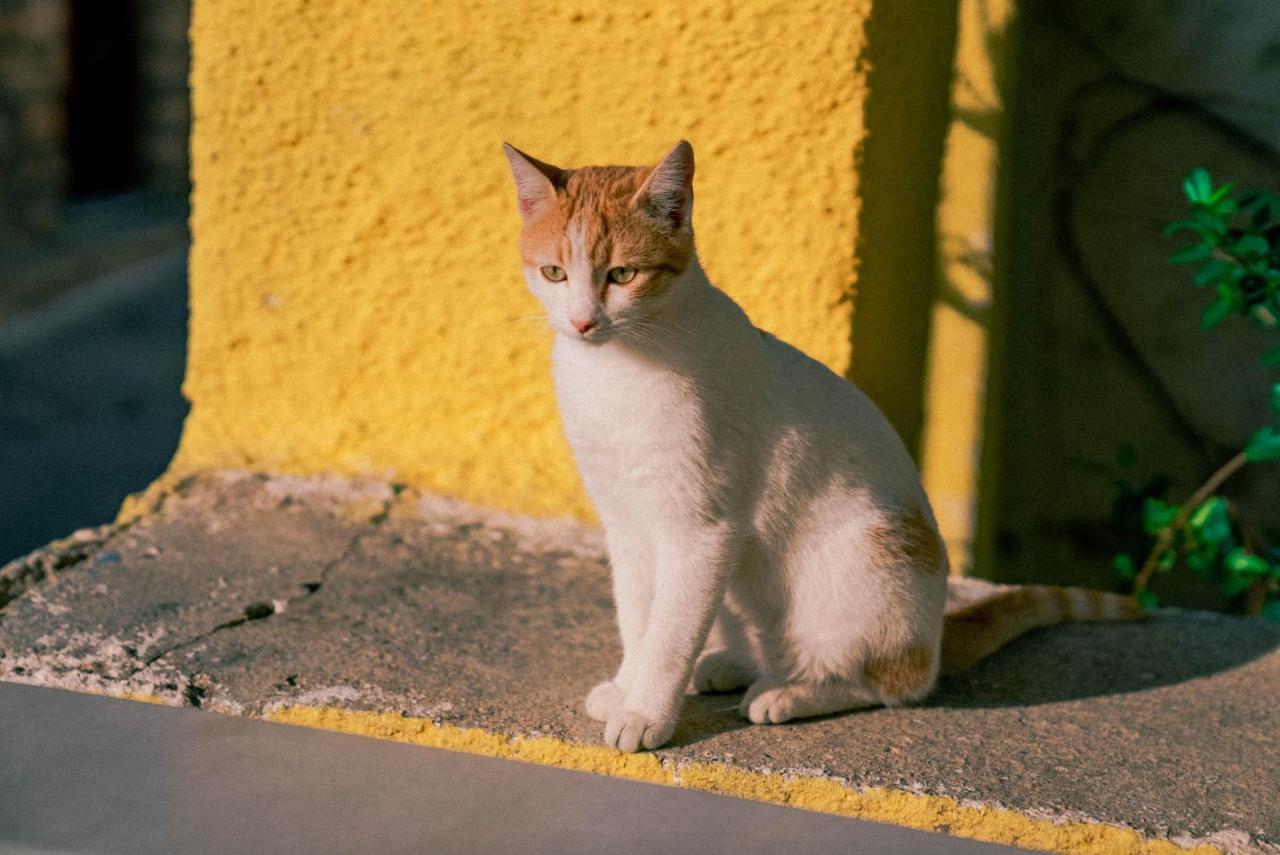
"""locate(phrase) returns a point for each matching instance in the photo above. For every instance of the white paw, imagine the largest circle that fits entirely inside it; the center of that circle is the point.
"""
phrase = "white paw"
(769, 704)
(631, 731)
(720, 671)
(604, 700)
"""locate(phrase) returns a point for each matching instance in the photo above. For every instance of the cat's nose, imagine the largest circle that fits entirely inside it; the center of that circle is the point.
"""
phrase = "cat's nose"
(586, 326)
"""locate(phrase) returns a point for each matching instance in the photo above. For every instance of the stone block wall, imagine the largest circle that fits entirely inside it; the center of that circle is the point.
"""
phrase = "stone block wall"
(32, 78)
(1100, 342)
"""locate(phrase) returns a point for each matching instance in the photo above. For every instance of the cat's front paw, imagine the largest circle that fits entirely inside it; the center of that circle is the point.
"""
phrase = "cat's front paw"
(605, 700)
(631, 731)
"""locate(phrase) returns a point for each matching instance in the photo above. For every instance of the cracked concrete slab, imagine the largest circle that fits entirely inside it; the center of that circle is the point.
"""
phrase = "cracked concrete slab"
(253, 595)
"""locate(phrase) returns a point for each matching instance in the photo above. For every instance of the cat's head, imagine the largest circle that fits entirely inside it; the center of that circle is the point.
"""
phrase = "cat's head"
(603, 245)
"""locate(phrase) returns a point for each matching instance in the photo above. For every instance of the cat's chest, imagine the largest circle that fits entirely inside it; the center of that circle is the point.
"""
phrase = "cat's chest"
(615, 409)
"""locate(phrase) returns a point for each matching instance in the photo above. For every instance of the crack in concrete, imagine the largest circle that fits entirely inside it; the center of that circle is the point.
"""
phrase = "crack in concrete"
(262, 610)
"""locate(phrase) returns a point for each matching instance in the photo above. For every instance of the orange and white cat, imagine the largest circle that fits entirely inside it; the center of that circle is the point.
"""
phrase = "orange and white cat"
(766, 527)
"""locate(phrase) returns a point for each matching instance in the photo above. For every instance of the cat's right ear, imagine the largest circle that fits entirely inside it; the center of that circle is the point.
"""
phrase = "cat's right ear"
(536, 182)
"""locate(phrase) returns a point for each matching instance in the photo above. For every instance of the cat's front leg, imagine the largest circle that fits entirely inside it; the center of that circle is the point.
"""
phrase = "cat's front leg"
(693, 562)
(631, 562)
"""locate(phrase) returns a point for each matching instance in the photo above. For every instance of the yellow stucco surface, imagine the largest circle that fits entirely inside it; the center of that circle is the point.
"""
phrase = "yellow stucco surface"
(956, 389)
(356, 304)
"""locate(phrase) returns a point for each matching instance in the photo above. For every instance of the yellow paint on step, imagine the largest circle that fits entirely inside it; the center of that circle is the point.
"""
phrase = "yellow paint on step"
(896, 807)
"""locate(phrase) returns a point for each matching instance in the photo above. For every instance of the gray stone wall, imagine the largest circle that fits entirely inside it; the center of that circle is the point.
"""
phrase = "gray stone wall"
(1112, 102)
(33, 82)
(166, 114)
(32, 78)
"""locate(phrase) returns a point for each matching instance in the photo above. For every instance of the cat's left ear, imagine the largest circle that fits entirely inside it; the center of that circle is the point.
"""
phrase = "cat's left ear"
(536, 182)
(668, 191)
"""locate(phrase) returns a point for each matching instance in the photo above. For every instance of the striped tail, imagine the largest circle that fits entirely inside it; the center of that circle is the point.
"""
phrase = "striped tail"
(978, 630)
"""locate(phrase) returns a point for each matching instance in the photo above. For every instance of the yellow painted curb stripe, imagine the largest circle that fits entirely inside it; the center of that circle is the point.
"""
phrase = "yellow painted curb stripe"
(927, 813)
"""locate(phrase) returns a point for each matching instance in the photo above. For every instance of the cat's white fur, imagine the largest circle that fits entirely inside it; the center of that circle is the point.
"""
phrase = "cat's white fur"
(744, 489)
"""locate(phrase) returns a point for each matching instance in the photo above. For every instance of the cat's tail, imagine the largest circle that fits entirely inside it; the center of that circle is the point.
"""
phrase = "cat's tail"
(976, 631)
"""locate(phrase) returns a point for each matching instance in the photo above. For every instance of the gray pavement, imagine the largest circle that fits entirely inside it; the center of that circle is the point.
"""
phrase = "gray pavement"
(90, 408)
(86, 774)
(244, 593)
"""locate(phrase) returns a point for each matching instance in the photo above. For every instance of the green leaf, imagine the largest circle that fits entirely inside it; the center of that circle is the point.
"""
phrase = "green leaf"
(1167, 559)
(1234, 586)
(1215, 312)
(1271, 358)
(1210, 221)
(1211, 523)
(1275, 399)
(1201, 515)
(1156, 515)
(1260, 217)
(1198, 185)
(1218, 195)
(1252, 245)
(1188, 254)
(1264, 445)
(1180, 225)
(1242, 563)
(1209, 272)
(1271, 610)
(1146, 599)
(1123, 565)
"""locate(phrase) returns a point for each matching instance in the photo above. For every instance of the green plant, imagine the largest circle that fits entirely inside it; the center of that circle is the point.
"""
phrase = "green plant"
(1237, 256)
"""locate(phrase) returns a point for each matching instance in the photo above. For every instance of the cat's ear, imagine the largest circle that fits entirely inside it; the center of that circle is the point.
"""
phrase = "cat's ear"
(668, 191)
(536, 182)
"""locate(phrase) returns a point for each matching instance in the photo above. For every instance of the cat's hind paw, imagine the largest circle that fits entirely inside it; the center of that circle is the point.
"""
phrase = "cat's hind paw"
(604, 701)
(773, 705)
(631, 731)
(721, 671)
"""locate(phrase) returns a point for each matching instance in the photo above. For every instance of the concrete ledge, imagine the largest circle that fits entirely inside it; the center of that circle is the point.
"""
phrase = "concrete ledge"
(360, 607)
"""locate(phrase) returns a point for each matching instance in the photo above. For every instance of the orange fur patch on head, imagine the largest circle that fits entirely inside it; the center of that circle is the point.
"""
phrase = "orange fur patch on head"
(908, 539)
(902, 677)
(597, 210)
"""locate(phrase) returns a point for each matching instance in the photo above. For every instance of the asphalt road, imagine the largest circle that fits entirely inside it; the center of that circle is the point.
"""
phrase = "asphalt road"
(89, 774)
(90, 408)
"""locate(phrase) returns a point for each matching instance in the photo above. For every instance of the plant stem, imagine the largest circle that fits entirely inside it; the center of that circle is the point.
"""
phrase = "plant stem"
(1165, 539)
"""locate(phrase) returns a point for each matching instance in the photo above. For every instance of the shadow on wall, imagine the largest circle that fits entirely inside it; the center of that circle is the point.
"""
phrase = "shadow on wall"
(1100, 336)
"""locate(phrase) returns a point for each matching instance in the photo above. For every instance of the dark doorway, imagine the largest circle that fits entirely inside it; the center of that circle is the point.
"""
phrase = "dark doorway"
(102, 97)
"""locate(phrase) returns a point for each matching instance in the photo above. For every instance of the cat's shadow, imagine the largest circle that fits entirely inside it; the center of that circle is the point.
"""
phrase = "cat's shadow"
(1062, 663)
(1080, 661)
(704, 716)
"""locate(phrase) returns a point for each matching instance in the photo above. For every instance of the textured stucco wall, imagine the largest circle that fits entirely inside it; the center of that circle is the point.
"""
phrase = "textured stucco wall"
(956, 392)
(356, 300)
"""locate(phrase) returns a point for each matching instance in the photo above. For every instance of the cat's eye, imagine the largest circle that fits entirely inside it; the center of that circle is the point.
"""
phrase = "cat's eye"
(553, 274)
(622, 275)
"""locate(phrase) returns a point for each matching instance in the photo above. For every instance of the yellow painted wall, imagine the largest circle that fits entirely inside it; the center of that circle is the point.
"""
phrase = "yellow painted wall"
(356, 304)
(956, 390)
